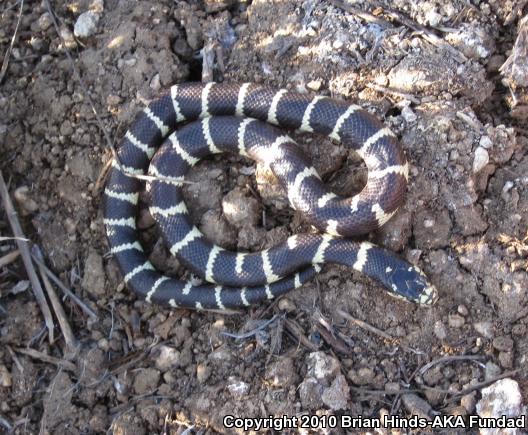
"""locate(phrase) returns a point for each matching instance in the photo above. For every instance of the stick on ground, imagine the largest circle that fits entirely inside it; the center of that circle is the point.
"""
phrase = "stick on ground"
(23, 247)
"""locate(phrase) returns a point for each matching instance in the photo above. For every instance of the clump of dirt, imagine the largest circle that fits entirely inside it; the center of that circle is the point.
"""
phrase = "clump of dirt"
(430, 71)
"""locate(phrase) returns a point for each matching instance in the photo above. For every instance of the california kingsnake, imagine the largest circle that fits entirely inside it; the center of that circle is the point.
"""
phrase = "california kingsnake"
(237, 118)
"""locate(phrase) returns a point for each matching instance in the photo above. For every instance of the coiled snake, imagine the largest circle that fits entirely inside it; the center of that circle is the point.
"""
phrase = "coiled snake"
(239, 118)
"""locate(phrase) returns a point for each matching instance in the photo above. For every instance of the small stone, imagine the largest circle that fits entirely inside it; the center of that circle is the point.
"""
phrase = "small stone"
(86, 24)
(167, 358)
(287, 305)
(485, 142)
(68, 38)
(240, 209)
(202, 373)
(456, 320)
(310, 393)
(440, 330)
(480, 160)
(492, 370)
(146, 381)
(337, 395)
(216, 229)
(322, 367)
(155, 82)
(314, 85)
(94, 277)
(281, 373)
(506, 359)
(468, 402)
(45, 21)
(502, 398)
(415, 405)
(362, 376)
(237, 388)
(484, 328)
(6, 379)
(213, 6)
(462, 310)
(24, 200)
(503, 343)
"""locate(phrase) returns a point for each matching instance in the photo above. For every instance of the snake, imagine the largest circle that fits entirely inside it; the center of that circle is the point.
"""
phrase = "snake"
(192, 121)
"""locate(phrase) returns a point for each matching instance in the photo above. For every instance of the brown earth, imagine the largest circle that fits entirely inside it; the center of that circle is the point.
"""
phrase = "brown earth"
(145, 369)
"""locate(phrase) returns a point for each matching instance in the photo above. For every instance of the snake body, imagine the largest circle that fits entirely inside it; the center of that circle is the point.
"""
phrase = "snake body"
(241, 119)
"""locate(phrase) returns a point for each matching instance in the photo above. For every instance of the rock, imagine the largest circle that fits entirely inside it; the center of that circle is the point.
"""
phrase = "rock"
(503, 343)
(212, 6)
(314, 85)
(337, 395)
(45, 22)
(440, 330)
(6, 379)
(281, 373)
(492, 371)
(469, 220)
(415, 405)
(468, 402)
(322, 367)
(202, 373)
(362, 376)
(480, 160)
(432, 230)
(216, 229)
(86, 24)
(506, 359)
(94, 277)
(24, 200)
(237, 388)
(190, 22)
(503, 398)
(81, 165)
(484, 328)
(310, 393)
(462, 310)
(473, 41)
(167, 358)
(287, 305)
(240, 209)
(146, 381)
(456, 320)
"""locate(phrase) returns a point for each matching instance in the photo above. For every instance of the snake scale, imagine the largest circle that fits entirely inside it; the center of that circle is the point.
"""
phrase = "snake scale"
(218, 117)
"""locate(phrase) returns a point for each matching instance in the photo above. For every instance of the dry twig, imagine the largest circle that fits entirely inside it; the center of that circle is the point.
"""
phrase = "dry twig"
(9, 258)
(7, 55)
(69, 337)
(35, 354)
(26, 257)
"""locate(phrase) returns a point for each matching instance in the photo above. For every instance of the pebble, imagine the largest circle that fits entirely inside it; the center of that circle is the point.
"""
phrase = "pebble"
(485, 142)
(322, 367)
(240, 209)
(484, 328)
(94, 277)
(212, 6)
(503, 343)
(237, 388)
(440, 330)
(45, 21)
(167, 358)
(281, 373)
(415, 405)
(86, 24)
(146, 381)
(310, 393)
(456, 320)
(68, 37)
(468, 402)
(22, 197)
(6, 379)
(492, 370)
(480, 160)
(362, 376)
(462, 310)
(314, 85)
(502, 398)
(287, 305)
(506, 359)
(337, 395)
(202, 373)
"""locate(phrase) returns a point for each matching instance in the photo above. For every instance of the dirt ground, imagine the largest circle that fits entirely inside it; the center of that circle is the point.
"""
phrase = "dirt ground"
(339, 345)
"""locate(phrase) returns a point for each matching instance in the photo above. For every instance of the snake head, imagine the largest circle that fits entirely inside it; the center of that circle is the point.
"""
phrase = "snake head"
(411, 283)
